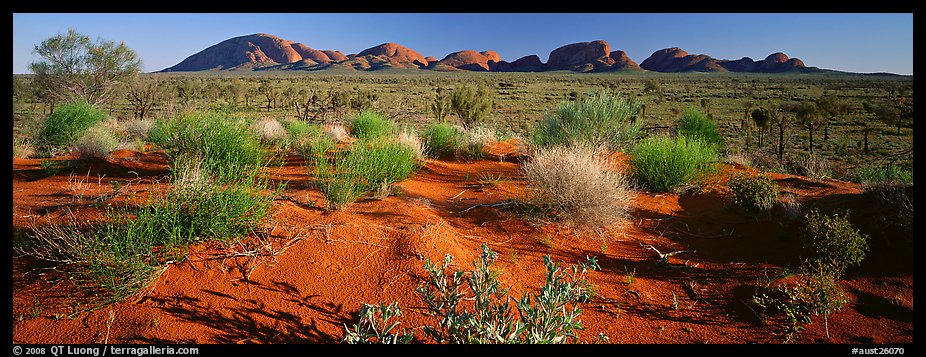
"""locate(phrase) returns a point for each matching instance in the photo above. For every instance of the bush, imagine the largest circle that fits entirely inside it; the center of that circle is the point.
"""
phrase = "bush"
(663, 163)
(409, 137)
(139, 127)
(369, 124)
(882, 174)
(694, 124)
(97, 141)
(22, 148)
(370, 166)
(832, 241)
(596, 120)
(481, 313)
(755, 193)
(575, 184)
(226, 146)
(65, 125)
(472, 104)
(444, 140)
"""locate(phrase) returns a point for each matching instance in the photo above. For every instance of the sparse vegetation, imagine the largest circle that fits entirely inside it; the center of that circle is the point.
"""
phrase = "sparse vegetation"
(445, 140)
(97, 141)
(552, 316)
(473, 104)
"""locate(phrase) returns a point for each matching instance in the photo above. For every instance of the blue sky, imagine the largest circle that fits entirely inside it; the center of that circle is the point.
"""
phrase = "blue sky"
(854, 42)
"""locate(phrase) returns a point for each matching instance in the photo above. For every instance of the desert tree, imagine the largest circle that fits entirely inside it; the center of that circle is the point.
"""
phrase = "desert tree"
(810, 117)
(143, 94)
(269, 93)
(830, 108)
(233, 90)
(762, 117)
(782, 121)
(868, 125)
(73, 67)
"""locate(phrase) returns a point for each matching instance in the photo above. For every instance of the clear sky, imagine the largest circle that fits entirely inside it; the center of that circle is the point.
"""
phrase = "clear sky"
(855, 42)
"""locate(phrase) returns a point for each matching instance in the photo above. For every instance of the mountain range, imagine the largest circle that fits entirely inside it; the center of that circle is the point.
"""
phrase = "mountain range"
(266, 52)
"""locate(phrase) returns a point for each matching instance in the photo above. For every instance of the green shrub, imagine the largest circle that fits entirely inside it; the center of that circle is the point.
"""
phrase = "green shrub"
(65, 125)
(225, 146)
(369, 166)
(575, 184)
(694, 124)
(444, 140)
(474, 308)
(882, 174)
(832, 241)
(369, 124)
(755, 193)
(97, 141)
(473, 104)
(596, 120)
(663, 163)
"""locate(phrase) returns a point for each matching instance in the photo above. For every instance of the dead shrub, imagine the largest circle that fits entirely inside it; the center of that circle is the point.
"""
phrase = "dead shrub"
(574, 183)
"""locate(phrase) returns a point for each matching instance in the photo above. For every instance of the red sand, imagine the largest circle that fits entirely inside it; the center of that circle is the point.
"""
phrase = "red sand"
(374, 251)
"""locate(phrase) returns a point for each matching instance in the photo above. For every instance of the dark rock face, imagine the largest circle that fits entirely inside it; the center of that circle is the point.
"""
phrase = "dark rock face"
(530, 63)
(676, 60)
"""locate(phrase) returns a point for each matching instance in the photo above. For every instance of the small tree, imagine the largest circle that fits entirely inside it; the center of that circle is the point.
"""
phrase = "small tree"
(143, 94)
(782, 122)
(74, 67)
(472, 104)
(811, 118)
(830, 107)
(761, 117)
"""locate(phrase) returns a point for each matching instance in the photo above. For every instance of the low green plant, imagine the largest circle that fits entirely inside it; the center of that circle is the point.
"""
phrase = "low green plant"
(694, 124)
(663, 163)
(812, 292)
(369, 166)
(226, 146)
(599, 119)
(832, 241)
(369, 124)
(882, 174)
(375, 326)
(51, 167)
(65, 125)
(473, 307)
(445, 140)
(753, 192)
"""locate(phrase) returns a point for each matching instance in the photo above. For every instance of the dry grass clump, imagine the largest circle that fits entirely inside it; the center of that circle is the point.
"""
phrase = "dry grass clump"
(270, 130)
(409, 137)
(574, 183)
(138, 128)
(97, 141)
(338, 132)
(22, 148)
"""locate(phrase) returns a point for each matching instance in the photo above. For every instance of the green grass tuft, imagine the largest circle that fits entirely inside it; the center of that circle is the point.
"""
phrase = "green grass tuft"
(662, 163)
